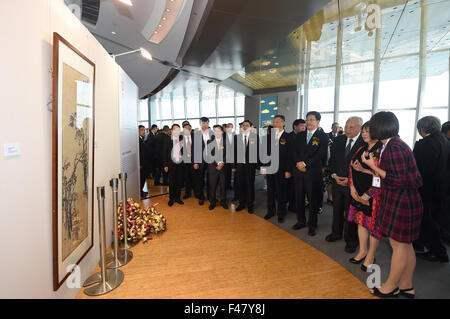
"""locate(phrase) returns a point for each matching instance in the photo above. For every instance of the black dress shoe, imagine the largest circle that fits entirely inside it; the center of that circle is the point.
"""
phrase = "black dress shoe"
(187, 196)
(320, 211)
(179, 201)
(429, 256)
(212, 206)
(312, 231)
(201, 201)
(251, 211)
(280, 220)
(239, 208)
(350, 249)
(298, 226)
(329, 202)
(268, 216)
(224, 205)
(331, 239)
(170, 202)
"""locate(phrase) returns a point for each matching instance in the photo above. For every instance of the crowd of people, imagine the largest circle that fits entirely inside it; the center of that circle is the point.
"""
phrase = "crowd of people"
(378, 187)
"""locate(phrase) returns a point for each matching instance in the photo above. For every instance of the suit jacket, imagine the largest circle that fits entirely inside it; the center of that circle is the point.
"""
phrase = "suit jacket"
(144, 154)
(160, 143)
(432, 158)
(283, 151)
(212, 149)
(239, 148)
(167, 160)
(339, 164)
(311, 153)
(198, 137)
(331, 137)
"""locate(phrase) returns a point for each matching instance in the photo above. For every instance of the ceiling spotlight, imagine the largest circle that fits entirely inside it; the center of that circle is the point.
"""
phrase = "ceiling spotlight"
(168, 10)
(127, 2)
(113, 32)
(146, 55)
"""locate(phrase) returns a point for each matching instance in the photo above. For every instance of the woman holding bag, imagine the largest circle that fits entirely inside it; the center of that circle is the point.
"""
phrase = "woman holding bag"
(364, 201)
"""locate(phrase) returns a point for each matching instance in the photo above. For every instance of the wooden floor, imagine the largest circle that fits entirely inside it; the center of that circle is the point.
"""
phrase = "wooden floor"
(220, 254)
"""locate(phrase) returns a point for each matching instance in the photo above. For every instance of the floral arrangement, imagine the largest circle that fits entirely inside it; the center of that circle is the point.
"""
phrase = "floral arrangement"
(315, 141)
(283, 141)
(376, 153)
(141, 222)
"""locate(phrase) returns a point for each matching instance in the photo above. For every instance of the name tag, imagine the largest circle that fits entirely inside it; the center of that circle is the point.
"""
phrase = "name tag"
(376, 181)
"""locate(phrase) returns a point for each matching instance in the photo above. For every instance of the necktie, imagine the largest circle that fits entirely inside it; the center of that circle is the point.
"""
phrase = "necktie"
(245, 140)
(348, 147)
(177, 150)
(308, 138)
(189, 146)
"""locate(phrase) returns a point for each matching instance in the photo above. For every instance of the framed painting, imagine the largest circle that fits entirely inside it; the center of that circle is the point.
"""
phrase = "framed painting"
(73, 158)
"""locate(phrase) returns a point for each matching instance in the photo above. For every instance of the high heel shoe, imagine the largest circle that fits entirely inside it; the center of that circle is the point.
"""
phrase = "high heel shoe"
(404, 293)
(393, 294)
(364, 268)
(355, 261)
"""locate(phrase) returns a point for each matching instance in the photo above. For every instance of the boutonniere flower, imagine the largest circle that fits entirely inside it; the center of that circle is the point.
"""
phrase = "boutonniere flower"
(282, 141)
(252, 141)
(221, 147)
(376, 153)
(315, 141)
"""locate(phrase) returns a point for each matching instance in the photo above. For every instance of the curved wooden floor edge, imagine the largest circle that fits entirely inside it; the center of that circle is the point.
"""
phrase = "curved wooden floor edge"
(223, 255)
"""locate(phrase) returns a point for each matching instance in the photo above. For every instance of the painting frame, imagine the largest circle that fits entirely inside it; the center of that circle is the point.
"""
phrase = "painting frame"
(73, 135)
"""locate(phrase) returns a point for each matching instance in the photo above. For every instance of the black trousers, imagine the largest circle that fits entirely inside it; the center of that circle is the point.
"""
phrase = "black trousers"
(277, 193)
(341, 203)
(306, 185)
(198, 182)
(430, 231)
(228, 173)
(216, 178)
(291, 193)
(188, 174)
(246, 181)
(159, 170)
(175, 180)
(143, 177)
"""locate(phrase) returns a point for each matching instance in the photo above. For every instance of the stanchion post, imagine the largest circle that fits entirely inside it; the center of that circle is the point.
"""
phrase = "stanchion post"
(109, 278)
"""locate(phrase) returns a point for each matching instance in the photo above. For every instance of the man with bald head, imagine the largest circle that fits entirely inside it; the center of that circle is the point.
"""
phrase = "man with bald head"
(341, 154)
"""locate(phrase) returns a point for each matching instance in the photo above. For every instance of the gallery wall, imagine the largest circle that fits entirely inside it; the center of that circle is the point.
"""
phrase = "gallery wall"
(26, 269)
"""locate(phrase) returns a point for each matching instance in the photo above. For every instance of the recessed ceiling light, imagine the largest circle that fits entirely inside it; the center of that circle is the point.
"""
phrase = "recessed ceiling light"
(113, 32)
(127, 2)
(164, 18)
(168, 10)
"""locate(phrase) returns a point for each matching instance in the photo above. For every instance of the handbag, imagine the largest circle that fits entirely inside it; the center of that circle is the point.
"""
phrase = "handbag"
(360, 207)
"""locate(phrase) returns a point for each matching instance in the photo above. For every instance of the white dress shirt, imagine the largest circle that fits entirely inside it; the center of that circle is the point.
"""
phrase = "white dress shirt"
(353, 141)
(206, 136)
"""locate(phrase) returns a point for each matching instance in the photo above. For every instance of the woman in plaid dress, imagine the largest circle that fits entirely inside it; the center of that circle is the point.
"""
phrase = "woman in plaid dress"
(400, 210)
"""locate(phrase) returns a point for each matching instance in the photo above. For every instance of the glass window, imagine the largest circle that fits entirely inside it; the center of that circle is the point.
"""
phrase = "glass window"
(209, 102)
(356, 87)
(225, 102)
(143, 110)
(441, 113)
(178, 107)
(236, 127)
(193, 106)
(436, 84)
(166, 109)
(321, 90)
(240, 104)
(168, 123)
(406, 119)
(399, 83)
(343, 117)
(326, 121)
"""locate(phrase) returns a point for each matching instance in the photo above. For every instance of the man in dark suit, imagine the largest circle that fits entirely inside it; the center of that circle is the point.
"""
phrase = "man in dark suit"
(229, 139)
(150, 141)
(246, 164)
(188, 165)
(432, 158)
(341, 154)
(201, 138)
(298, 126)
(216, 157)
(277, 181)
(334, 132)
(144, 159)
(161, 140)
(306, 152)
(173, 165)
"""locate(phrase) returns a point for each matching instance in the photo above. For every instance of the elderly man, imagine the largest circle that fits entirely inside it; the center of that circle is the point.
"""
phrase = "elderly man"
(341, 153)
(432, 157)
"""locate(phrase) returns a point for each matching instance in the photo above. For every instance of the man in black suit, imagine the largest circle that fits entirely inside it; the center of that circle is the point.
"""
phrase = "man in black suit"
(334, 132)
(298, 126)
(150, 141)
(144, 159)
(341, 154)
(201, 138)
(173, 165)
(229, 139)
(306, 152)
(277, 181)
(432, 158)
(216, 157)
(188, 166)
(246, 148)
(161, 140)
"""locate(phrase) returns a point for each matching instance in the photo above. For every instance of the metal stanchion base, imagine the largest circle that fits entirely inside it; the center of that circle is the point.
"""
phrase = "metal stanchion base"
(95, 278)
(123, 258)
(130, 244)
(114, 278)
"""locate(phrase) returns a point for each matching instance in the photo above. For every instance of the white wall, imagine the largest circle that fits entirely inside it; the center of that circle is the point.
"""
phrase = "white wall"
(27, 28)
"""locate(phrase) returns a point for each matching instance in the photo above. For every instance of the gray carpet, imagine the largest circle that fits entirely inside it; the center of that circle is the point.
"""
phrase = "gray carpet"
(431, 280)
